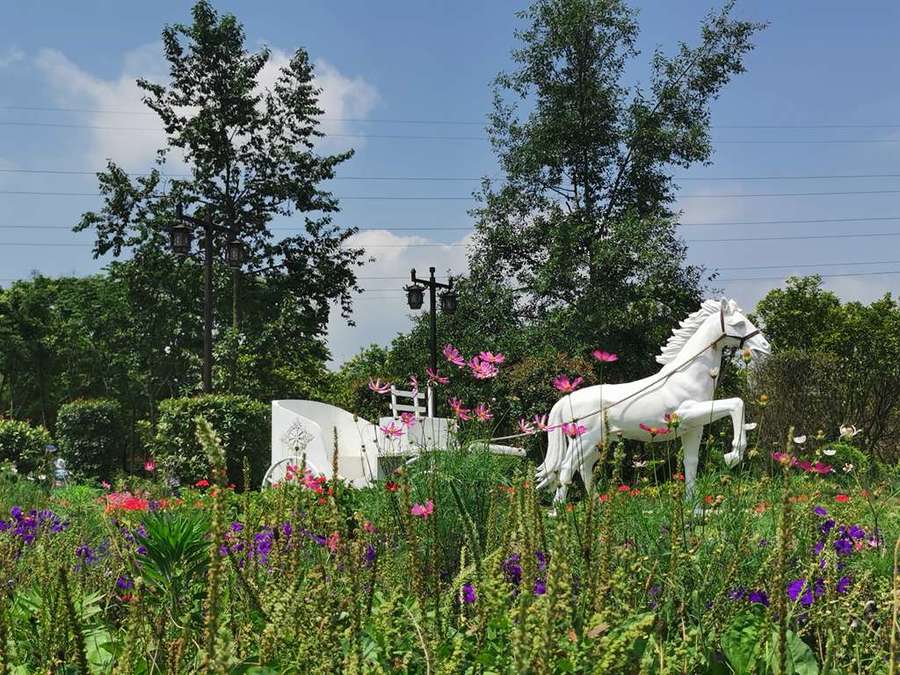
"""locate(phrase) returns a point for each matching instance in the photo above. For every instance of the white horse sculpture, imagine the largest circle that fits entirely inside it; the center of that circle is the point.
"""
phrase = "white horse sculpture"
(685, 386)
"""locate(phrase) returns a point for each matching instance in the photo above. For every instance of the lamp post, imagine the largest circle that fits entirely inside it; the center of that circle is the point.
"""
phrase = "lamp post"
(181, 235)
(415, 297)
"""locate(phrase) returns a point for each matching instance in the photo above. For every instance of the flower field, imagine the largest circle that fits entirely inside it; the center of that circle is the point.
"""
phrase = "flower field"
(454, 564)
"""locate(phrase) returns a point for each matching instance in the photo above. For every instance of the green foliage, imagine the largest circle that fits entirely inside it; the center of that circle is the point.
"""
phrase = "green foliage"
(840, 454)
(175, 557)
(23, 445)
(242, 423)
(833, 363)
(92, 437)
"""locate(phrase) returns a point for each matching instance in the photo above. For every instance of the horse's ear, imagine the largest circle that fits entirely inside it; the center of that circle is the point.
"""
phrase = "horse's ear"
(732, 306)
(724, 305)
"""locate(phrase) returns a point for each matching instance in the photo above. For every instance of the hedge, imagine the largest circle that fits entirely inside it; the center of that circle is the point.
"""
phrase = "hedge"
(92, 437)
(22, 444)
(242, 423)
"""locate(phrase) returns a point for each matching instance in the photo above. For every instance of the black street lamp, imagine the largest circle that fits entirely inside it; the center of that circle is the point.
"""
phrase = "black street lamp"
(415, 297)
(181, 235)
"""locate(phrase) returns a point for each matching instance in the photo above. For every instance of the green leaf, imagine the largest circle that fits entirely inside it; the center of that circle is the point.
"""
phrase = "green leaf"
(740, 642)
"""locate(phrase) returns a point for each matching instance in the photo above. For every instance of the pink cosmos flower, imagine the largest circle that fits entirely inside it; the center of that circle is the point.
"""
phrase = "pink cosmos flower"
(452, 354)
(573, 429)
(604, 356)
(408, 419)
(369, 527)
(483, 413)
(457, 407)
(105, 485)
(379, 387)
(482, 370)
(566, 386)
(821, 469)
(150, 466)
(434, 377)
(391, 430)
(540, 421)
(414, 385)
(654, 431)
(314, 483)
(490, 357)
(422, 510)
(525, 427)
(334, 539)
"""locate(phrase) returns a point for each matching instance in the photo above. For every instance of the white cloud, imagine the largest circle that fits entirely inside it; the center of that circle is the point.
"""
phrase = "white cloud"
(10, 55)
(342, 97)
(74, 87)
(381, 314)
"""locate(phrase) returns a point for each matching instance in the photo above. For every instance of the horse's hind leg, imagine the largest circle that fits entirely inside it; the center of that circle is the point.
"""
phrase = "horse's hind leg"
(690, 443)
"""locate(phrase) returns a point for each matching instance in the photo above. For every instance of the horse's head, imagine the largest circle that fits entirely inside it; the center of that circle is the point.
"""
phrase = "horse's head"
(739, 331)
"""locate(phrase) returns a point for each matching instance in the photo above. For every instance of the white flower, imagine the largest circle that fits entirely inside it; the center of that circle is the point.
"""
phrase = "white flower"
(830, 451)
(799, 440)
(714, 372)
(848, 468)
(848, 431)
(42, 477)
(749, 426)
(639, 464)
(168, 349)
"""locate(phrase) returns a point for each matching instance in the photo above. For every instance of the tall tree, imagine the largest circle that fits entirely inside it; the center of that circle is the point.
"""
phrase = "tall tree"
(252, 156)
(581, 223)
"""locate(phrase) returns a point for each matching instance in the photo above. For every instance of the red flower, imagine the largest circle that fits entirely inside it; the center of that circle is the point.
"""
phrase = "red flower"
(843, 499)
(604, 497)
(624, 488)
(202, 483)
(391, 486)
(679, 476)
(634, 492)
(708, 499)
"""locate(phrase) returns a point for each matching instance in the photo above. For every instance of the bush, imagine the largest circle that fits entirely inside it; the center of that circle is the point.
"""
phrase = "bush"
(242, 423)
(845, 454)
(91, 436)
(22, 444)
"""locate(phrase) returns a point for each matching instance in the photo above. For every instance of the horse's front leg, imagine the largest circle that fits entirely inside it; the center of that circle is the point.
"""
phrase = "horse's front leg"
(693, 413)
(690, 443)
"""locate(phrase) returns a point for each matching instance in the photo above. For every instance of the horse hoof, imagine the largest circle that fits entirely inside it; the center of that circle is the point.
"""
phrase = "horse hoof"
(732, 459)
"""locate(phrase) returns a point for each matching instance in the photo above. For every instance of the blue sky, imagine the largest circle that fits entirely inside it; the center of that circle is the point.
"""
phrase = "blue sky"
(818, 100)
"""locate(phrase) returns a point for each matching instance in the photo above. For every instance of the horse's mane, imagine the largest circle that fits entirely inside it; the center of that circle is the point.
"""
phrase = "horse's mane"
(686, 329)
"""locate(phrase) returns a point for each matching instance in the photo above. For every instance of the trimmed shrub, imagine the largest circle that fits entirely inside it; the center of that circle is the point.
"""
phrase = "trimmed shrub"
(242, 423)
(22, 444)
(91, 436)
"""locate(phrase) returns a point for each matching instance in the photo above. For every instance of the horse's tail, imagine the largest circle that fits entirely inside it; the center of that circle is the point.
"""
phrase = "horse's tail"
(556, 447)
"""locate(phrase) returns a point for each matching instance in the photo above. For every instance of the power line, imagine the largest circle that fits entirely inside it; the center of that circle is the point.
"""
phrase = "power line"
(469, 179)
(452, 122)
(469, 198)
(421, 137)
(458, 245)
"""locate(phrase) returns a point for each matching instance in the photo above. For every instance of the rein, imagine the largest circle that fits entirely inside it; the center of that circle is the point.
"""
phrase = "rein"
(711, 345)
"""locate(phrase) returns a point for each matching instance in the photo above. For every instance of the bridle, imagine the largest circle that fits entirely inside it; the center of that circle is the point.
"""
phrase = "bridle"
(741, 340)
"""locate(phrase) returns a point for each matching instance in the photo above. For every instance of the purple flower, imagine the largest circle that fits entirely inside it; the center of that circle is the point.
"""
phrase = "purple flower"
(513, 569)
(287, 528)
(820, 511)
(124, 583)
(843, 584)
(794, 588)
(843, 546)
(142, 550)
(759, 597)
(469, 594)
(236, 526)
(540, 587)
(737, 593)
(16, 512)
(817, 549)
(541, 560)
(827, 526)
(856, 532)
(370, 554)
